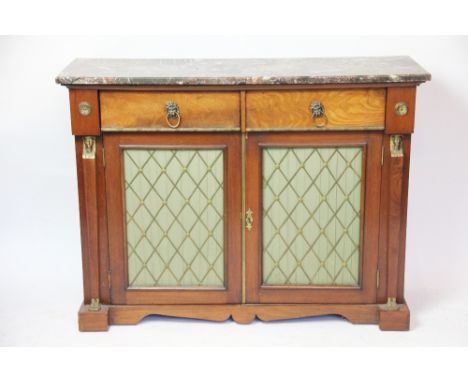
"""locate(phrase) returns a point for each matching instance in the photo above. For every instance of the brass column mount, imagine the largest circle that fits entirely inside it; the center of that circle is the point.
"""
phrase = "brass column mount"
(89, 148)
(391, 304)
(95, 305)
(396, 146)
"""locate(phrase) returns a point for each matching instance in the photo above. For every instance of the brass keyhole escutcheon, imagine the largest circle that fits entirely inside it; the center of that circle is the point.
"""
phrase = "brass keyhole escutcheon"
(84, 108)
(401, 109)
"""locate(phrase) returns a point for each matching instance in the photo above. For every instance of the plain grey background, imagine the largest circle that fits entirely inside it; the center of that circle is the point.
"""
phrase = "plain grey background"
(40, 258)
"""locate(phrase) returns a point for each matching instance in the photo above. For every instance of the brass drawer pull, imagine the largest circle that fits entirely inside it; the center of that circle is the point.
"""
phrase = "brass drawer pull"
(318, 113)
(249, 219)
(172, 112)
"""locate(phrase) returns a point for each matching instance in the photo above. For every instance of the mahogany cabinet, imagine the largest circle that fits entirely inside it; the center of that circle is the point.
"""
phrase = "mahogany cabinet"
(243, 189)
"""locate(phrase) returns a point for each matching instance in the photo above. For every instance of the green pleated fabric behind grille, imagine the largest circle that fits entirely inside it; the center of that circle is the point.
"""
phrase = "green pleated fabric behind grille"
(311, 216)
(174, 212)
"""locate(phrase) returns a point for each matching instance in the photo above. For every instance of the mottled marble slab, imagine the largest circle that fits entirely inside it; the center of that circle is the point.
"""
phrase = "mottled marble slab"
(266, 71)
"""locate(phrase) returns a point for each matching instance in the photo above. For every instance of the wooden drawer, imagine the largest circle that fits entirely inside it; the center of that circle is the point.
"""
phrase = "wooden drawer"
(146, 111)
(344, 109)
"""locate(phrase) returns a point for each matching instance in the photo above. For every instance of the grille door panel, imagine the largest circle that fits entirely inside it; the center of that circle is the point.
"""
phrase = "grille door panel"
(174, 216)
(311, 216)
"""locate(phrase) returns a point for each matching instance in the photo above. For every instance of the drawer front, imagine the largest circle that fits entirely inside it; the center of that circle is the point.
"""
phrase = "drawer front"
(342, 110)
(147, 111)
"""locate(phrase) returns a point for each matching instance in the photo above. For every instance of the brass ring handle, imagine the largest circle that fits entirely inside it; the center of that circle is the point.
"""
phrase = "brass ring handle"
(318, 113)
(172, 112)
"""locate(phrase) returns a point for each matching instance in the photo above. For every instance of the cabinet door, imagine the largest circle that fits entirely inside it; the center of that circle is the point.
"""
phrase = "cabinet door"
(314, 204)
(173, 203)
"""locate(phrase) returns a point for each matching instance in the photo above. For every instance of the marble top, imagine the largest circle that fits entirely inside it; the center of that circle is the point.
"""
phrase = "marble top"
(257, 71)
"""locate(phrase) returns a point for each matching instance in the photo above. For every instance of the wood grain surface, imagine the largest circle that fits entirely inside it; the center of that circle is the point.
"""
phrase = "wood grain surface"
(118, 257)
(81, 124)
(137, 110)
(291, 294)
(244, 314)
(351, 108)
(396, 124)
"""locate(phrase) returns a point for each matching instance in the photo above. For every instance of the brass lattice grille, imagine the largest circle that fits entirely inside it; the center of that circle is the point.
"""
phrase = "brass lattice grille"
(311, 216)
(174, 212)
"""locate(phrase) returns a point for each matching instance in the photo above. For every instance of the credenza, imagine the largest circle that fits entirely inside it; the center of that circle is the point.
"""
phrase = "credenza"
(243, 188)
